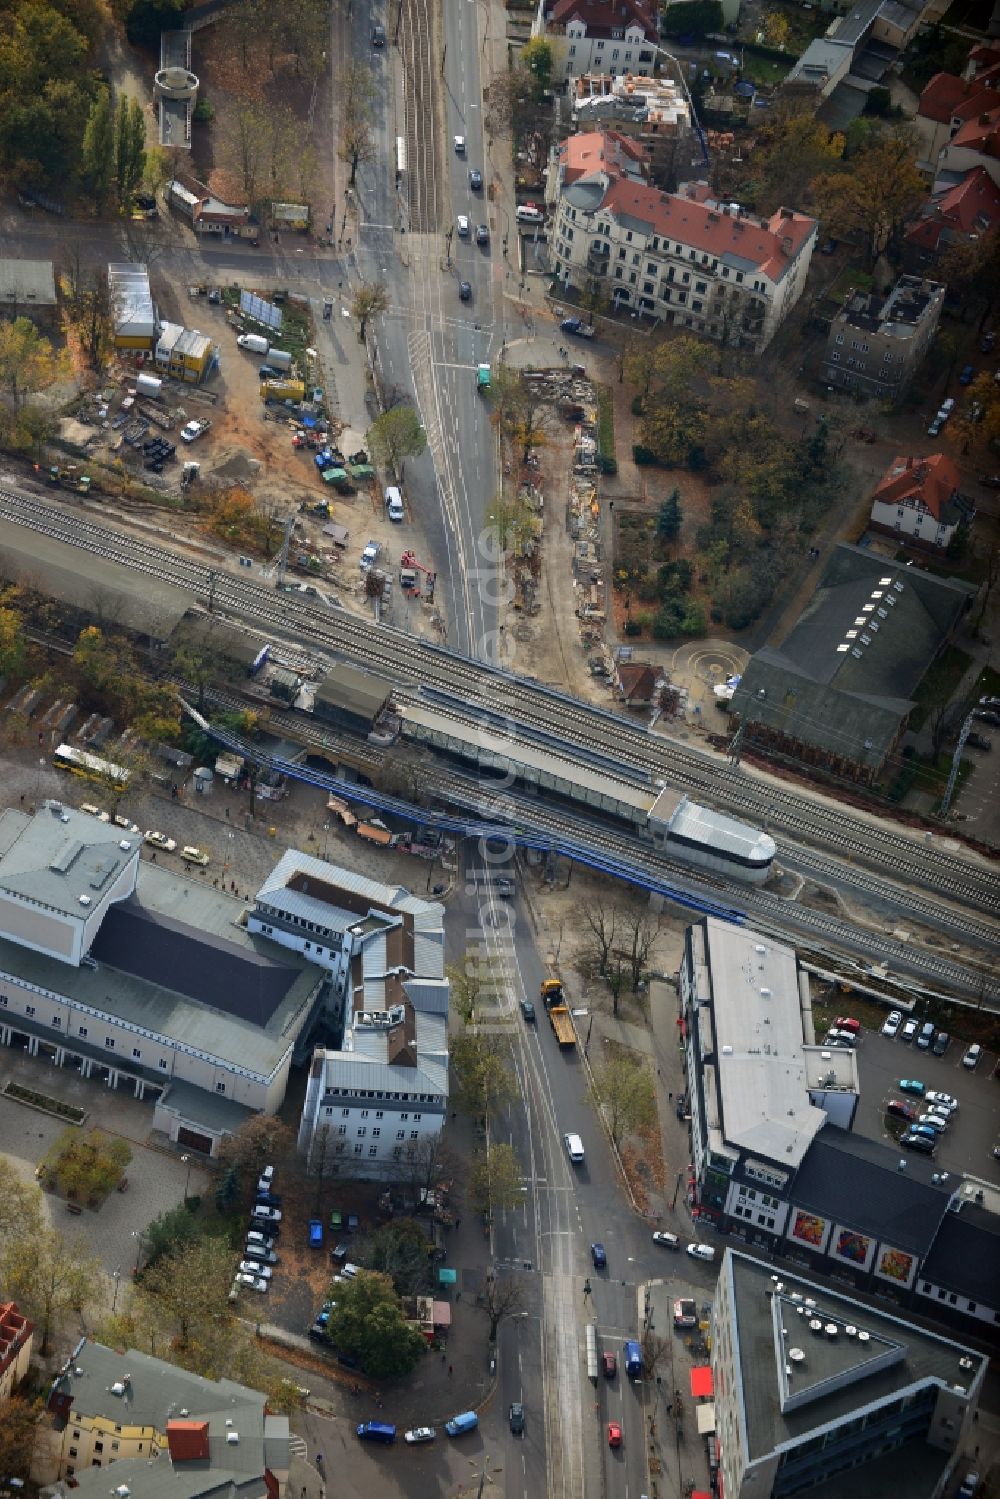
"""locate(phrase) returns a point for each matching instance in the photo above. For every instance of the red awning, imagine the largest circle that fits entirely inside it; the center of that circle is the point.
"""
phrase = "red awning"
(702, 1384)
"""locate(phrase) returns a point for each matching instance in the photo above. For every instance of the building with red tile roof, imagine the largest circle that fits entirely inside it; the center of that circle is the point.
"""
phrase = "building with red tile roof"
(681, 258)
(582, 154)
(16, 1334)
(918, 500)
(958, 215)
(602, 36)
(976, 143)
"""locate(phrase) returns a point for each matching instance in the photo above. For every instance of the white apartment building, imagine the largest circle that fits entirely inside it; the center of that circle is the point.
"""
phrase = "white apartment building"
(598, 36)
(682, 258)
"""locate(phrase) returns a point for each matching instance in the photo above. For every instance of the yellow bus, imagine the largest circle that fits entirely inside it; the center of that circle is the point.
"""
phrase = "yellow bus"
(91, 767)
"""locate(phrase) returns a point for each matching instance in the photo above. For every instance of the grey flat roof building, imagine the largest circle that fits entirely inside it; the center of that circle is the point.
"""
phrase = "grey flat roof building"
(26, 284)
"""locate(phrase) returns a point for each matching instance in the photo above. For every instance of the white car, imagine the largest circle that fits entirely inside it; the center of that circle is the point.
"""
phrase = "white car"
(370, 556)
(94, 811)
(266, 1215)
(265, 1179)
(394, 504)
(942, 1103)
(972, 1055)
(701, 1251)
(121, 821)
(462, 224)
(160, 840)
(892, 1022)
(251, 1267)
(934, 1121)
(460, 145)
(255, 1282)
(666, 1241)
(193, 430)
(529, 214)
(192, 855)
(420, 1434)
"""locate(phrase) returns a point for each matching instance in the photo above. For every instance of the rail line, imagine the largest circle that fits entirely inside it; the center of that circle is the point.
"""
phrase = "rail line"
(412, 663)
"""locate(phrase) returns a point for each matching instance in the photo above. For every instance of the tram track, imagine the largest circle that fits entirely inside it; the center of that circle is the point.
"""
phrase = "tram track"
(410, 664)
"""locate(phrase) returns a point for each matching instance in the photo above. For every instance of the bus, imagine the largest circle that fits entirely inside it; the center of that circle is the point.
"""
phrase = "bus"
(91, 767)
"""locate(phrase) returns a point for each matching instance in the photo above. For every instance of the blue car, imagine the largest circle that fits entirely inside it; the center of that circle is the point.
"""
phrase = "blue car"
(599, 1256)
(925, 1130)
(967, 376)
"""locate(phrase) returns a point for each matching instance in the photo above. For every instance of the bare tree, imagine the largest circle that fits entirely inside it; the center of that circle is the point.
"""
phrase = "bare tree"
(500, 1298)
(643, 930)
(370, 301)
(655, 1350)
(430, 1164)
(602, 922)
(625, 1093)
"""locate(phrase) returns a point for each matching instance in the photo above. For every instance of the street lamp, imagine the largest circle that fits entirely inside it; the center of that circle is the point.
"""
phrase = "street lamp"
(140, 1240)
(116, 1276)
(186, 1161)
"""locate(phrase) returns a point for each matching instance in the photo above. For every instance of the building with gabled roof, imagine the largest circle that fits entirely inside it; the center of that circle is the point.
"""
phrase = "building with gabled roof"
(947, 103)
(16, 1341)
(122, 1421)
(918, 501)
(961, 213)
(839, 690)
(207, 212)
(976, 143)
(817, 1393)
(612, 36)
(591, 150)
(682, 258)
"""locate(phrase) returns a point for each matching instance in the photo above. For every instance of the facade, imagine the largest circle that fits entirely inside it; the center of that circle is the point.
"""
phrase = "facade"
(16, 1341)
(183, 353)
(918, 501)
(598, 36)
(162, 1430)
(976, 143)
(946, 104)
(134, 313)
(207, 213)
(27, 289)
(959, 214)
(814, 1392)
(838, 692)
(681, 258)
(777, 1162)
(144, 978)
(877, 343)
(374, 1099)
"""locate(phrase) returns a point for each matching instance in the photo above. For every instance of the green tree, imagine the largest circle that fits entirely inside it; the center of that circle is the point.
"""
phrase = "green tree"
(511, 522)
(474, 984)
(169, 1233)
(98, 162)
(483, 1078)
(399, 1250)
(227, 1192)
(368, 1322)
(697, 18)
(496, 1182)
(395, 436)
(188, 1291)
(261, 1140)
(19, 1420)
(669, 517)
(875, 194)
(536, 56)
(49, 1275)
(28, 362)
(13, 645)
(86, 1166)
(130, 150)
(370, 300)
(776, 29)
(626, 1094)
(145, 19)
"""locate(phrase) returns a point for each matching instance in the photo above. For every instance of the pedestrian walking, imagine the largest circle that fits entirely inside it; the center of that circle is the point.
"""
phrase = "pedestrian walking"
(458, 1224)
(450, 1371)
(670, 1097)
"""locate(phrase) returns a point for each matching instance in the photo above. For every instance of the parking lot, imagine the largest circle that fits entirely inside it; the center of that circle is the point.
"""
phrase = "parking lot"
(968, 1144)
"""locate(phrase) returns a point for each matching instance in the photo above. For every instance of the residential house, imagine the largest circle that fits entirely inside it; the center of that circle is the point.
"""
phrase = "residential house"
(132, 308)
(16, 1342)
(593, 150)
(816, 1393)
(654, 112)
(28, 289)
(159, 1429)
(681, 258)
(946, 104)
(208, 213)
(976, 143)
(839, 690)
(638, 682)
(602, 36)
(958, 213)
(877, 341)
(918, 501)
(183, 353)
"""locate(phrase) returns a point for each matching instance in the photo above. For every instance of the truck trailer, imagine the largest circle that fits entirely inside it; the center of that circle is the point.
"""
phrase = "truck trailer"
(554, 999)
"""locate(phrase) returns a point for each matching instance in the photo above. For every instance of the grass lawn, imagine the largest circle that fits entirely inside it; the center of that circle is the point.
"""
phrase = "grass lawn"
(605, 422)
(939, 684)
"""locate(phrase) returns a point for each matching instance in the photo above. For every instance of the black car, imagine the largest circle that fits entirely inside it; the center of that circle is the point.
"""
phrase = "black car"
(517, 1418)
(378, 35)
(941, 1043)
(268, 1200)
(475, 180)
(828, 246)
(987, 715)
(979, 741)
(528, 1011)
(465, 291)
(921, 1143)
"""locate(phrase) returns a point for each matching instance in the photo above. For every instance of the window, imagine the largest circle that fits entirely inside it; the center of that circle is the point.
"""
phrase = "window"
(342, 1129)
(29, 1010)
(364, 1113)
(358, 1149)
(114, 1446)
(109, 1042)
(404, 1116)
(136, 1052)
(397, 1153)
(345, 1113)
(401, 1134)
(162, 1064)
(415, 1135)
(57, 1021)
(373, 1150)
(416, 1118)
(73, 1453)
(220, 1087)
(379, 1113)
(98, 1446)
(362, 1132)
(376, 1131)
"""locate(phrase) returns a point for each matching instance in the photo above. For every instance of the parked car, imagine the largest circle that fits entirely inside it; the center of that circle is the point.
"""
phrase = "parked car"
(978, 741)
(264, 1214)
(261, 1256)
(265, 1180)
(847, 1023)
(966, 374)
(944, 1103)
(912, 1085)
(419, 1434)
(267, 1200)
(599, 1255)
(909, 1031)
(666, 1240)
(160, 840)
(252, 1281)
(920, 1143)
(935, 427)
(192, 855)
(941, 1043)
(926, 1035)
(515, 1416)
(685, 1312)
(315, 1233)
(892, 1022)
(257, 1241)
(841, 1038)
(925, 1130)
(972, 1054)
(937, 1122)
(250, 1267)
(701, 1251)
(529, 213)
(900, 1109)
(828, 246)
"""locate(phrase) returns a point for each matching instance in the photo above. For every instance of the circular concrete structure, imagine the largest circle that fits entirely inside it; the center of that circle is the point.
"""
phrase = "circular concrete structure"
(176, 83)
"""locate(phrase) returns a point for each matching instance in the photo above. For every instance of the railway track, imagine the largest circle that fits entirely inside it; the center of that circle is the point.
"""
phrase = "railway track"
(412, 665)
(421, 128)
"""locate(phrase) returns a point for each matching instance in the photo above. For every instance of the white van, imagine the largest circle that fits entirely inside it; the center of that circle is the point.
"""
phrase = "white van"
(574, 1148)
(394, 503)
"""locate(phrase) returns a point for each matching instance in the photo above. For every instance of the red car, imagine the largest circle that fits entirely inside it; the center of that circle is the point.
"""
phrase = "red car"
(847, 1023)
(609, 1364)
(901, 1109)
(614, 1434)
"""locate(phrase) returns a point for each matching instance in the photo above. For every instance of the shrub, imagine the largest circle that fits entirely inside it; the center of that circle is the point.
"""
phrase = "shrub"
(204, 111)
(633, 627)
(644, 457)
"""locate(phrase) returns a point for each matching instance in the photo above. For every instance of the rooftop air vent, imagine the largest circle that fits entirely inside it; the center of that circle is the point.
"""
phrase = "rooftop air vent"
(765, 994)
(232, 1437)
(815, 1326)
(851, 1330)
(966, 1363)
(124, 845)
(84, 900)
(810, 1301)
(117, 1388)
(797, 1355)
(864, 1337)
(831, 1330)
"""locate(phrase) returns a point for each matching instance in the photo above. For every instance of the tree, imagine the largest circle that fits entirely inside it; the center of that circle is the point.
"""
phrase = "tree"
(483, 1078)
(395, 436)
(188, 1290)
(625, 1091)
(357, 140)
(399, 1250)
(248, 139)
(169, 1233)
(28, 362)
(13, 645)
(502, 1296)
(971, 271)
(197, 666)
(655, 1350)
(536, 56)
(793, 148)
(21, 1211)
(515, 105)
(368, 1323)
(875, 193)
(48, 1275)
(496, 1182)
(147, 18)
(98, 162)
(260, 1140)
(695, 19)
(776, 30)
(474, 983)
(430, 1163)
(227, 1192)
(602, 923)
(669, 517)
(130, 150)
(370, 300)
(86, 1166)
(511, 523)
(19, 1420)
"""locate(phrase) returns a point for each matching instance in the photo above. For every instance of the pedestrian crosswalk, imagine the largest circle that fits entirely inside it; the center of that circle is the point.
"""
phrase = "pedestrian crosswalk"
(297, 1446)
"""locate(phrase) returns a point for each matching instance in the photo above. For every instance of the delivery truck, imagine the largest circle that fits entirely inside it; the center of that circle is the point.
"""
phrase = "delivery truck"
(554, 1000)
(254, 342)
